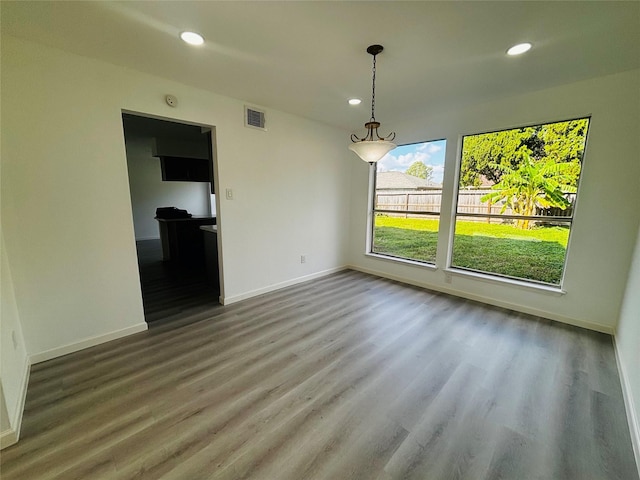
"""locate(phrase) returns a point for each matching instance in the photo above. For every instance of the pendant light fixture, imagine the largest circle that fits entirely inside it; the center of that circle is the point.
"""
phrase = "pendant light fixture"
(372, 147)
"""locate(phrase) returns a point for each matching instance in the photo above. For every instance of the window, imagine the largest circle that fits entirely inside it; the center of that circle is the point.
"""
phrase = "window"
(406, 203)
(516, 196)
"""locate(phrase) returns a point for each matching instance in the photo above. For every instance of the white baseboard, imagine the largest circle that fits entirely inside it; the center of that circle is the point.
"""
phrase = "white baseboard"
(491, 301)
(12, 435)
(629, 403)
(278, 286)
(86, 343)
(7, 438)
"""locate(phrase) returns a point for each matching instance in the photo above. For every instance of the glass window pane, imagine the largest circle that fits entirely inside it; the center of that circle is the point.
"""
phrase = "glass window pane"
(535, 254)
(412, 238)
(527, 180)
(409, 182)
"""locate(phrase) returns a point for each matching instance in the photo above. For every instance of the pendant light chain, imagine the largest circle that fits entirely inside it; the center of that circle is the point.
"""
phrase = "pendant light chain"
(373, 92)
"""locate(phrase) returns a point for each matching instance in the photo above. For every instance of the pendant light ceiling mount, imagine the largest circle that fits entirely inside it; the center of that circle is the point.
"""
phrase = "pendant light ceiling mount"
(372, 147)
(374, 49)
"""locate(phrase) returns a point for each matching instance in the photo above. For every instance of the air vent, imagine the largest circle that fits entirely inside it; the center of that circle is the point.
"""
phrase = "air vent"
(254, 118)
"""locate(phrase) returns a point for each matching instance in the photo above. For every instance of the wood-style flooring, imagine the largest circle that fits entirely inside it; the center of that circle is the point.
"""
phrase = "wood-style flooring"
(346, 377)
(171, 291)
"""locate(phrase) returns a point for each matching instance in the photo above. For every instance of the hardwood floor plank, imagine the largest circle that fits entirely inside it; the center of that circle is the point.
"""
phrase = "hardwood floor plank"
(516, 456)
(349, 376)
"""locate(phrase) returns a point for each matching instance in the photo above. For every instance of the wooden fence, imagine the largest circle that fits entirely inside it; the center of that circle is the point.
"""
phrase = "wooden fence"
(468, 202)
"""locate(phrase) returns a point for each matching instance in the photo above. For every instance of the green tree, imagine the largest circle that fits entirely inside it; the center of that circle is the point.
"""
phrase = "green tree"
(420, 170)
(531, 184)
(564, 142)
(489, 155)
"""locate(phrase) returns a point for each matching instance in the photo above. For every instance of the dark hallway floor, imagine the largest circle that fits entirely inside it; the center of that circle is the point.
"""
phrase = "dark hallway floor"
(170, 291)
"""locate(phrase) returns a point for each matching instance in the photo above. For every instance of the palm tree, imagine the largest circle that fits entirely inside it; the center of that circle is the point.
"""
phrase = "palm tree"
(541, 183)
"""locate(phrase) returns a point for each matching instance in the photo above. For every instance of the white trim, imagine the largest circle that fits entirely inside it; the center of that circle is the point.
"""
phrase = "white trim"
(406, 261)
(488, 278)
(491, 301)
(12, 435)
(278, 286)
(627, 395)
(19, 409)
(483, 277)
(86, 343)
(373, 174)
(8, 438)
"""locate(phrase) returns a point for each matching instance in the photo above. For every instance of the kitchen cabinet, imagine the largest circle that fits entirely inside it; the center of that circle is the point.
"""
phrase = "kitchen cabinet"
(210, 236)
(179, 169)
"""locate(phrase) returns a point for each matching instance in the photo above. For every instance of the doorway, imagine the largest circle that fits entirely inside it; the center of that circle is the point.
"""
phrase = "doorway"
(172, 187)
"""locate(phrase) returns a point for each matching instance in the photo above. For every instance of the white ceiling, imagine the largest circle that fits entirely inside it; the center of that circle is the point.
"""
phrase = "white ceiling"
(308, 57)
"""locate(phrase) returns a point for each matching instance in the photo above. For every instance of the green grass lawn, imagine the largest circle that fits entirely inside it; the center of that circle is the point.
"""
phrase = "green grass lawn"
(536, 254)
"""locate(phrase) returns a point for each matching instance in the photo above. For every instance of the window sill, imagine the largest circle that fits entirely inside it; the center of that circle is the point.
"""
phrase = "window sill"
(537, 287)
(429, 266)
(483, 277)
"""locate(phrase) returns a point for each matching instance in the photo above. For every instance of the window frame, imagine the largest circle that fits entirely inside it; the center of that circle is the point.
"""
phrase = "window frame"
(497, 277)
(372, 213)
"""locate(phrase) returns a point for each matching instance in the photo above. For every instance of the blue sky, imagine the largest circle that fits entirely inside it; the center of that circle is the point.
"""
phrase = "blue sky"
(430, 153)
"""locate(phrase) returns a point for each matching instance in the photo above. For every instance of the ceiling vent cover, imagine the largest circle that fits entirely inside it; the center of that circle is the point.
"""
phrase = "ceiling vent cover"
(254, 118)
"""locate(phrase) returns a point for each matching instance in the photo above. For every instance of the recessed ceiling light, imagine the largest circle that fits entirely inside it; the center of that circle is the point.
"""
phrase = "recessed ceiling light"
(192, 38)
(519, 49)
(355, 101)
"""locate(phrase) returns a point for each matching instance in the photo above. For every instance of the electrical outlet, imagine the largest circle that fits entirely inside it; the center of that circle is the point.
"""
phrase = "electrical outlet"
(303, 259)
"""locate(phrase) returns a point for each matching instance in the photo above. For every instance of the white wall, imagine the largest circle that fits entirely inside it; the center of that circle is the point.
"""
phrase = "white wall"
(628, 347)
(149, 192)
(66, 207)
(5, 424)
(607, 214)
(14, 362)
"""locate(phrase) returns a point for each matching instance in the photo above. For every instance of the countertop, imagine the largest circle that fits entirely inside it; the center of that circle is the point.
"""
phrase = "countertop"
(209, 228)
(189, 219)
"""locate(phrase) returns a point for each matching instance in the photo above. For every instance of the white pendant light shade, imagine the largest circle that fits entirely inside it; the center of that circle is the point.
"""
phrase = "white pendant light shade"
(372, 151)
